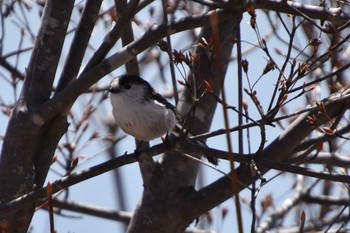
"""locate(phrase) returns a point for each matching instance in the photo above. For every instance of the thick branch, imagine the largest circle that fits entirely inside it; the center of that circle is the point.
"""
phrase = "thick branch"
(79, 86)
(334, 15)
(23, 135)
(65, 182)
(204, 199)
(95, 211)
(80, 42)
(47, 50)
(279, 150)
(174, 179)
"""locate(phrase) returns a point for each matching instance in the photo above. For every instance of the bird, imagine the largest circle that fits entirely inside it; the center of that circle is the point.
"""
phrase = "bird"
(142, 112)
(139, 110)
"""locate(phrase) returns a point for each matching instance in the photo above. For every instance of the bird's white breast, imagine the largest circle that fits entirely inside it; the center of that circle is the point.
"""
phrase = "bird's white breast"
(145, 120)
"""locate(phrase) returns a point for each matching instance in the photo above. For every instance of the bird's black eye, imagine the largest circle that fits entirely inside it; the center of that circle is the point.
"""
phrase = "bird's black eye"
(127, 86)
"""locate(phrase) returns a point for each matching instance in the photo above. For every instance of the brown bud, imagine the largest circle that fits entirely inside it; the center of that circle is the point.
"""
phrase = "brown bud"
(207, 86)
(245, 65)
(163, 45)
(328, 131)
(245, 105)
(224, 212)
(315, 42)
(74, 162)
(269, 66)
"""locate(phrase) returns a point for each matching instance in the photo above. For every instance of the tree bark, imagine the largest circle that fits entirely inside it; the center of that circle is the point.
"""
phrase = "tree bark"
(165, 205)
(26, 134)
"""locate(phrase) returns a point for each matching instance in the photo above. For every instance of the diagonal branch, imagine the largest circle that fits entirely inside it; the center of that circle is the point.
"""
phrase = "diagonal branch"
(79, 44)
(58, 104)
(279, 150)
(334, 15)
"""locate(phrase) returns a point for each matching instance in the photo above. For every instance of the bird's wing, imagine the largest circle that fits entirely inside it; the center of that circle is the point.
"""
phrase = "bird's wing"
(162, 100)
(178, 127)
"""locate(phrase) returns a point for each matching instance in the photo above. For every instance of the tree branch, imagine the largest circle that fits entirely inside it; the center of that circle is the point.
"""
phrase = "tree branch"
(65, 182)
(96, 211)
(334, 15)
(279, 150)
(25, 128)
(79, 44)
(58, 103)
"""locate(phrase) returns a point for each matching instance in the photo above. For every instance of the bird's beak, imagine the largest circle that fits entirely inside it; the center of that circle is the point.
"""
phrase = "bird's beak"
(114, 87)
(111, 89)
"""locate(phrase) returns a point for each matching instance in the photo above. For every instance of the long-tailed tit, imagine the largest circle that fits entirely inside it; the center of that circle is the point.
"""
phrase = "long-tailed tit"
(139, 110)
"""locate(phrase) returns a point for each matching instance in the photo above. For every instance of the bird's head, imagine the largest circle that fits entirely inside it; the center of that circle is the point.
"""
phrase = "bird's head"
(132, 86)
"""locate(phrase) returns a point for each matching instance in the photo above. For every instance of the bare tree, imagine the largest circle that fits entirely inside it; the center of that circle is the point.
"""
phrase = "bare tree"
(301, 51)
